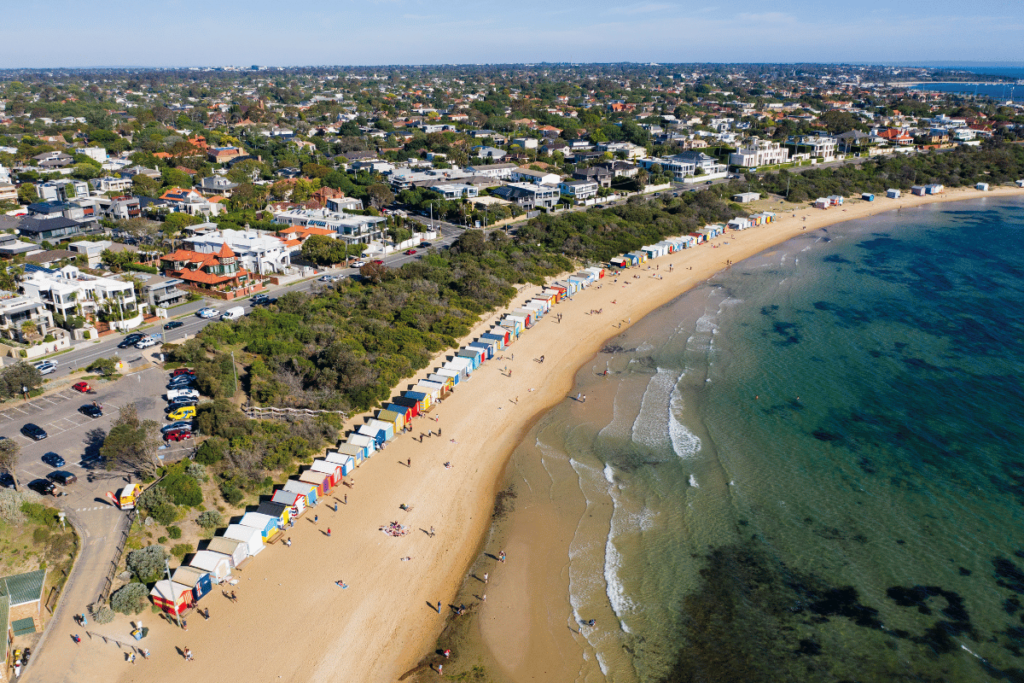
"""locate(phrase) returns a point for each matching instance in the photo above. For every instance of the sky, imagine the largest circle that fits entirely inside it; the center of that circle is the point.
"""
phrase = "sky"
(373, 32)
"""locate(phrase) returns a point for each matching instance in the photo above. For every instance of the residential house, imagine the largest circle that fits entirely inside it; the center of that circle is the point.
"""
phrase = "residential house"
(62, 190)
(678, 169)
(190, 202)
(256, 251)
(350, 229)
(453, 191)
(896, 136)
(162, 292)
(492, 153)
(206, 271)
(529, 196)
(343, 203)
(707, 165)
(51, 160)
(221, 155)
(69, 291)
(851, 140)
(578, 190)
(49, 229)
(525, 143)
(598, 174)
(111, 184)
(93, 251)
(625, 149)
(756, 152)
(15, 311)
(496, 171)
(8, 193)
(132, 171)
(124, 208)
(818, 146)
(620, 169)
(526, 175)
(217, 185)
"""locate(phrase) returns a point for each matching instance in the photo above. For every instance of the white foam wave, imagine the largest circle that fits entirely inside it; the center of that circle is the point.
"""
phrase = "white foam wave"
(685, 443)
(617, 597)
(651, 426)
(693, 482)
(609, 475)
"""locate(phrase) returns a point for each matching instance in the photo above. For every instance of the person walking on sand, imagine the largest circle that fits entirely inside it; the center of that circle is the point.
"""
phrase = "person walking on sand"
(77, 639)
(234, 598)
(438, 606)
(328, 532)
(431, 532)
(408, 463)
(188, 654)
(335, 506)
(131, 659)
(346, 499)
(483, 598)
(486, 577)
(316, 518)
(440, 667)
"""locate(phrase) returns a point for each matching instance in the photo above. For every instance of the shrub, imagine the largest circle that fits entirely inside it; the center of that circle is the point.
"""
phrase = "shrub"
(174, 532)
(162, 540)
(130, 599)
(146, 564)
(182, 549)
(156, 502)
(211, 451)
(11, 503)
(40, 514)
(196, 470)
(231, 493)
(104, 615)
(183, 489)
(40, 534)
(211, 519)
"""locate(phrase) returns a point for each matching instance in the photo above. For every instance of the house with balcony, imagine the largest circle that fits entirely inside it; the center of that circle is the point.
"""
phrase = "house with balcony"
(217, 185)
(124, 208)
(526, 175)
(69, 291)
(203, 272)
(598, 174)
(678, 169)
(496, 171)
(454, 191)
(343, 203)
(817, 146)
(578, 190)
(256, 251)
(528, 195)
(61, 190)
(351, 229)
(49, 229)
(16, 310)
(191, 202)
(162, 292)
(756, 152)
(111, 184)
(620, 169)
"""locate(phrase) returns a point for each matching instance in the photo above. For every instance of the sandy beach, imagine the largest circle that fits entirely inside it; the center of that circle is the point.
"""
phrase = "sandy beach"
(293, 623)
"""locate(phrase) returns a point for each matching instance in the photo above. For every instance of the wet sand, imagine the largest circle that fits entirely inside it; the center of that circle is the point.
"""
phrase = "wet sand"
(292, 623)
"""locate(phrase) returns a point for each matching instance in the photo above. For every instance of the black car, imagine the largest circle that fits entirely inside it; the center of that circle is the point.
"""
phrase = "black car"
(181, 382)
(173, 325)
(180, 403)
(61, 477)
(426, 244)
(91, 411)
(42, 487)
(259, 298)
(6, 481)
(34, 432)
(53, 460)
(130, 340)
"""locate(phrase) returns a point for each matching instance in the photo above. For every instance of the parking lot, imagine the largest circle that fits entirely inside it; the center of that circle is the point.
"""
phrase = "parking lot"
(77, 438)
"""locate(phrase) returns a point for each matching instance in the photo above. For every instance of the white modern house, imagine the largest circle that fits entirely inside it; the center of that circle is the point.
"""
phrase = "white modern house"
(496, 171)
(258, 252)
(757, 152)
(111, 184)
(454, 191)
(526, 175)
(15, 311)
(69, 291)
(351, 229)
(578, 189)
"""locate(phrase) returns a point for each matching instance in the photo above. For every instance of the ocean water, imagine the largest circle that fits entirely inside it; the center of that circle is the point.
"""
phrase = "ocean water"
(809, 468)
(999, 92)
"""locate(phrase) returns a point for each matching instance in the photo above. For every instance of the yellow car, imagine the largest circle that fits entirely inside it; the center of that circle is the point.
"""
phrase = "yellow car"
(183, 413)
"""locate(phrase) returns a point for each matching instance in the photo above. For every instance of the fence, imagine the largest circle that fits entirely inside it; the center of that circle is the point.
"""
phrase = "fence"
(272, 413)
(108, 582)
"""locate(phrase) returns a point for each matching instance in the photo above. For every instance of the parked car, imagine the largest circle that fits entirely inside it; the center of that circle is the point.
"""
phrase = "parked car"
(379, 262)
(53, 460)
(182, 393)
(359, 264)
(173, 325)
(146, 343)
(46, 367)
(34, 432)
(410, 252)
(325, 278)
(130, 340)
(62, 477)
(91, 411)
(177, 372)
(178, 435)
(424, 245)
(259, 299)
(82, 387)
(181, 403)
(180, 384)
(6, 481)
(43, 487)
(182, 413)
(182, 425)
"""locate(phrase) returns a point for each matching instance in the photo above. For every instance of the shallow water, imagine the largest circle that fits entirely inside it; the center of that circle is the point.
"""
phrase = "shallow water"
(811, 464)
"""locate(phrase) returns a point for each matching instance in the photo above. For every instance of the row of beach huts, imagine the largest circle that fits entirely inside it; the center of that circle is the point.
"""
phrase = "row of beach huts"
(257, 529)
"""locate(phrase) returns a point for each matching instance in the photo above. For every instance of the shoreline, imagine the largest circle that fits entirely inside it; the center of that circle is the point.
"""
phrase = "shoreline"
(381, 626)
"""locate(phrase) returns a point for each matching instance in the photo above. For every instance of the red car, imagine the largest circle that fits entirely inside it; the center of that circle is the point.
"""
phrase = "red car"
(183, 371)
(177, 435)
(82, 387)
(410, 252)
(379, 262)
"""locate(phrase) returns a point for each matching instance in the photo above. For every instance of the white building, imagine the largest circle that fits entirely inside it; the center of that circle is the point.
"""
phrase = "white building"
(15, 311)
(628, 149)
(525, 143)
(258, 252)
(96, 153)
(578, 189)
(111, 184)
(526, 175)
(454, 191)
(351, 229)
(818, 146)
(757, 152)
(678, 169)
(72, 292)
(496, 171)
(61, 190)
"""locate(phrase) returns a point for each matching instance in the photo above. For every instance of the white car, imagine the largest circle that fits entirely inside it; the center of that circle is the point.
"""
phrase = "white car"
(46, 367)
(187, 392)
(359, 264)
(207, 312)
(145, 343)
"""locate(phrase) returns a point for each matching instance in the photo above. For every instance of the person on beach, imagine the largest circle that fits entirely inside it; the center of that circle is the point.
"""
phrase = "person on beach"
(431, 532)
(439, 669)
(188, 655)
(483, 598)
(341, 584)
(234, 598)
(346, 499)
(408, 463)
(131, 659)
(501, 556)
(77, 639)
(438, 606)
(184, 625)
(335, 506)
(486, 577)
(288, 542)
(328, 532)
(145, 653)
(316, 518)
(447, 654)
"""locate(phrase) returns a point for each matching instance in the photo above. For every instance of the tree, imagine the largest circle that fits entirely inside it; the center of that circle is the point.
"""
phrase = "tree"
(374, 272)
(27, 193)
(146, 564)
(144, 186)
(172, 177)
(9, 454)
(85, 171)
(103, 366)
(380, 195)
(18, 376)
(129, 599)
(131, 443)
(177, 221)
(245, 171)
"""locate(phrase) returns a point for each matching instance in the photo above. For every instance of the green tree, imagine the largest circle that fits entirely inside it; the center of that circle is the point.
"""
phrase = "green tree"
(146, 564)
(129, 599)
(10, 451)
(178, 221)
(172, 177)
(380, 195)
(15, 377)
(85, 171)
(131, 443)
(144, 186)
(27, 193)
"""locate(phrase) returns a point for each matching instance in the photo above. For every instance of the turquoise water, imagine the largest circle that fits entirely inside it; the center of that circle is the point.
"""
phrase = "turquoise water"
(813, 468)
(998, 92)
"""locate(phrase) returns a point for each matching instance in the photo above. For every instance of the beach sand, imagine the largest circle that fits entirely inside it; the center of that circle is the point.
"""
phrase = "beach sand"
(292, 623)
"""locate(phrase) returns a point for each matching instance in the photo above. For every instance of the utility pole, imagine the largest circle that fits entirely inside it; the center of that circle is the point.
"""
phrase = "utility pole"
(174, 600)
(234, 369)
